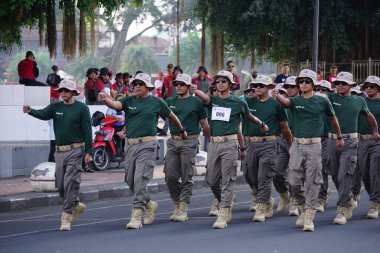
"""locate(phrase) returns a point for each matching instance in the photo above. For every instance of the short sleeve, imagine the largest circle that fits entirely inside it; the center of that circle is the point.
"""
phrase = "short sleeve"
(165, 110)
(364, 108)
(202, 114)
(125, 103)
(245, 109)
(328, 108)
(292, 103)
(281, 114)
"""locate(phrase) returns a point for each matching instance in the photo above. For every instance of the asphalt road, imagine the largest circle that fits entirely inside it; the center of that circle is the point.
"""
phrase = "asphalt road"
(102, 229)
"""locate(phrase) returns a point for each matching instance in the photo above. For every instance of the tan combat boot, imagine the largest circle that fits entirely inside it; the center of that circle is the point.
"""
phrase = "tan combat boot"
(269, 210)
(150, 208)
(260, 212)
(283, 203)
(175, 212)
(340, 217)
(78, 209)
(182, 212)
(350, 209)
(373, 212)
(321, 204)
(214, 210)
(293, 209)
(65, 221)
(301, 219)
(135, 221)
(253, 205)
(221, 221)
(308, 224)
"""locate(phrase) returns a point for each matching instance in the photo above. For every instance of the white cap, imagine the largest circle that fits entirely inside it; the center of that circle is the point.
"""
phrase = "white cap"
(291, 80)
(344, 77)
(356, 90)
(183, 78)
(373, 79)
(325, 84)
(144, 78)
(225, 73)
(308, 73)
(279, 86)
(264, 79)
(70, 85)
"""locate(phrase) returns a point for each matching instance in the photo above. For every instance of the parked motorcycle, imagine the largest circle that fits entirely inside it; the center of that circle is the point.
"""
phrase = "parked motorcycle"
(105, 148)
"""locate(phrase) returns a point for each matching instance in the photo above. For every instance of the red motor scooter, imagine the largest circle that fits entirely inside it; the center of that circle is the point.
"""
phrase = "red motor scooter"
(105, 149)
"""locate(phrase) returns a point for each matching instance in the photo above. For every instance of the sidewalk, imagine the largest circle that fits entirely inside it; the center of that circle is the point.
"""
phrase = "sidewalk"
(17, 193)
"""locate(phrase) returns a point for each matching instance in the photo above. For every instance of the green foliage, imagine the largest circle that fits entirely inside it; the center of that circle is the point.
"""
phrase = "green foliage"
(190, 51)
(139, 58)
(44, 64)
(79, 66)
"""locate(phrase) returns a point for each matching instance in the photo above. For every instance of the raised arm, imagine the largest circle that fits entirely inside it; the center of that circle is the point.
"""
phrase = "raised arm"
(203, 96)
(109, 101)
(280, 98)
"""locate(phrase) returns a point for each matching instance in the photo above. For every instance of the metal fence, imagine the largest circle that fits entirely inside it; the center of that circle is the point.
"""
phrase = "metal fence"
(360, 69)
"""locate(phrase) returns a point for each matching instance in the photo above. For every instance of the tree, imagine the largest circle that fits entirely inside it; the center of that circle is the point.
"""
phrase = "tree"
(79, 66)
(139, 58)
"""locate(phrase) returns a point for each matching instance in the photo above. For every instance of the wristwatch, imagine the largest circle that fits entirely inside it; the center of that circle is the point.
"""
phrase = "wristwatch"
(182, 130)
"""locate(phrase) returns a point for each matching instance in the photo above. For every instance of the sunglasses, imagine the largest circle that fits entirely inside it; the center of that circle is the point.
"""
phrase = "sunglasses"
(231, 66)
(288, 87)
(181, 84)
(371, 86)
(251, 91)
(169, 67)
(64, 90)
(258, 85)
(306, 80)
(282, 92)
(221, 81)
(340, 84)
(322, 89)
(138, 83)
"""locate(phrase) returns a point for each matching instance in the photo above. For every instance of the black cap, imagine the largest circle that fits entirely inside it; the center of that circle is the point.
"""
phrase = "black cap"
(202, 68)
(104, 71)
(91, 70)
(29, 53)
(126, 75)
(178, 68)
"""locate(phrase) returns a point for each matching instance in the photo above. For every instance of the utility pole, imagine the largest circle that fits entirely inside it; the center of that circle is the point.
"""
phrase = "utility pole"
(178, 24)
(315, 35)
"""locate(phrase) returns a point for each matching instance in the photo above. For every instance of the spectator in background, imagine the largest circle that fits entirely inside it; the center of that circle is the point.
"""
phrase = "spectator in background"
(284, 74)
(103, 82)
(90, 91)
(53, 81)
(168, 83)
(126, 79)
(320, 75)
(168, 78)
(158, 84)
(333, 73)
(119, 88)
(230, 68)
(28, 71)
(203, 82)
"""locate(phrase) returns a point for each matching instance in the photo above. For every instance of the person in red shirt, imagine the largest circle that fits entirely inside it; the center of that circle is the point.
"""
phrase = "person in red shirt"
(53, 81)
(320, 75)
(333, 73)
(230, 68)
(168, 78)
(168, 83)
(103, 83)
(89, 86)
(119, 88)
(28, 71)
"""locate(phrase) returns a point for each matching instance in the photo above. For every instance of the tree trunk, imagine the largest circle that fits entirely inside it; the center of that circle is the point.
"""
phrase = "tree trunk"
(203, 44)
(220, 52)
(68, 30)
(213, 52)
(51, 28)
(252, 62)
(82, 34)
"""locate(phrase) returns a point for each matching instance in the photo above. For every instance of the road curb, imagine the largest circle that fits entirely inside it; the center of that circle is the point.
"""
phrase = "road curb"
(20, 201)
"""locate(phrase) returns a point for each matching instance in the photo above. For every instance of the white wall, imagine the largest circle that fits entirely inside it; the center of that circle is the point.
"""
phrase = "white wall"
(17, 126)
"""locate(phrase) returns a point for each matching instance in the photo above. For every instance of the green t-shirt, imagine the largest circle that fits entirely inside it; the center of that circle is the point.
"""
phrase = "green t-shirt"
(141, 115)
(289, 114)
(308, 115)
(72, 123)
(225, 114)
(269, 111)
(189, 111)
(347, 110)
(374, 108)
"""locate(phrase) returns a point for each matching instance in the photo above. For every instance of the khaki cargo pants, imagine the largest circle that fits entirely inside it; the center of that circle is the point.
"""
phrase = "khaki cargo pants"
(221, 170)
(282, 162)
(260, 168)
(305, 173)
(68, 168)
(343, 165)
(369, 167)
(180, 164)
(140, 162)
(326, 170)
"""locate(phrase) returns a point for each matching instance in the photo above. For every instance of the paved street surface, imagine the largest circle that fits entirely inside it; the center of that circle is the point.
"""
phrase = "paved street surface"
(102, 229)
